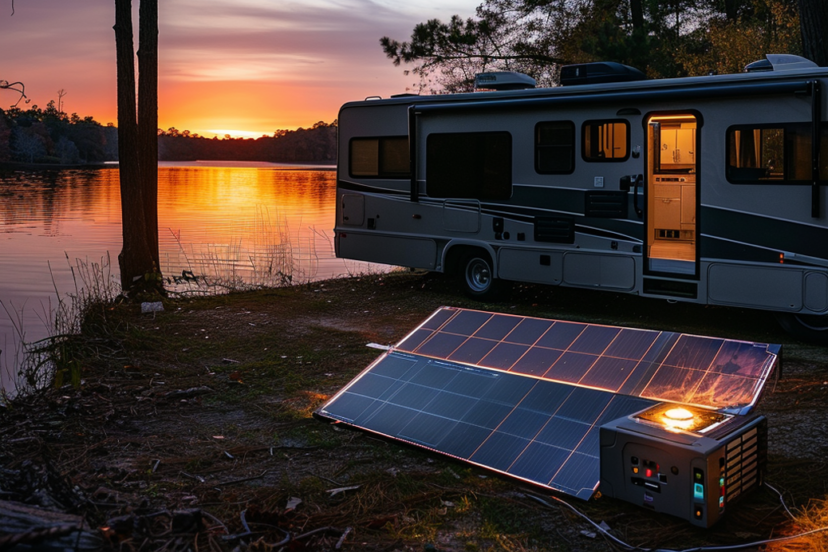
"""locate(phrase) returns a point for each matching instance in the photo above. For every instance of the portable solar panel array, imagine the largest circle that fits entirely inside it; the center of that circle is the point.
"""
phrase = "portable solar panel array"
(527, 397)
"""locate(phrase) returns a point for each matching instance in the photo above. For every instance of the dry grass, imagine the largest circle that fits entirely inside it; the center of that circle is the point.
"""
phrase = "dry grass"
(206, 406)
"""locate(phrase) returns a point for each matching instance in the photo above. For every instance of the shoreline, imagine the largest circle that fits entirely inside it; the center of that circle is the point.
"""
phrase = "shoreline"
(276, 165)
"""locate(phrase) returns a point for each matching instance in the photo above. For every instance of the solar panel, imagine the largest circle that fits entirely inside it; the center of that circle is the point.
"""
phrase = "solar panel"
(539, 431)
(663, 366)
(526, 396)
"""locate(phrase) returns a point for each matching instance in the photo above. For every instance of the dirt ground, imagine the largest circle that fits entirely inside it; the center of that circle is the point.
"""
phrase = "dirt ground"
(192, 430)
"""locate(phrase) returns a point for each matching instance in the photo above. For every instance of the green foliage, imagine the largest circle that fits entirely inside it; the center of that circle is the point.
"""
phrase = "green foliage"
(770, 26)
(47, 135)
(663, 39)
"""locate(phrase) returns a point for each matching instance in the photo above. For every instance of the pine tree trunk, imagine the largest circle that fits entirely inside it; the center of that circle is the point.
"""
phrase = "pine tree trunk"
(637, 13)
(813, 23)
(148, 119)
(136, 260)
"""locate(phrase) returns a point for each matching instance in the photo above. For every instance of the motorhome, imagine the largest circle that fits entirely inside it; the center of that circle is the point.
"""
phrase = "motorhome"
(705, 189)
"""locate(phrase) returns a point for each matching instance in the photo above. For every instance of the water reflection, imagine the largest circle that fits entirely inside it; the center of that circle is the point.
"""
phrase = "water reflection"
(256, 223)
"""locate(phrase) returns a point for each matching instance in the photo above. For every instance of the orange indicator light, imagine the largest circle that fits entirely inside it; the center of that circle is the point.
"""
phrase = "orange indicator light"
(679, 418)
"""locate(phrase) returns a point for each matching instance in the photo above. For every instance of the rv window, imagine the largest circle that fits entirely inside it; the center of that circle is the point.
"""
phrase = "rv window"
(474, 165)
(606, 141)
(777, 154)
(555, 147)
(385, 157)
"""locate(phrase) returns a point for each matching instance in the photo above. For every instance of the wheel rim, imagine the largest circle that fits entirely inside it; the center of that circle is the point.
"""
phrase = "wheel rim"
(478, 275)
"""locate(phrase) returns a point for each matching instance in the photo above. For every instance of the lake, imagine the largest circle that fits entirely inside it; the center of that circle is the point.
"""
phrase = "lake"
(226, 223)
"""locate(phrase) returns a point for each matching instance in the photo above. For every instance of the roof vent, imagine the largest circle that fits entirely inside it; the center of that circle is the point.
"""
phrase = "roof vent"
(503, 80)
(599, 72)
(780, 62)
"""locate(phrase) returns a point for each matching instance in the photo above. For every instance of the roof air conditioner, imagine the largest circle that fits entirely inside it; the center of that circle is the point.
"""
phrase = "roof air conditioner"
(503, 80)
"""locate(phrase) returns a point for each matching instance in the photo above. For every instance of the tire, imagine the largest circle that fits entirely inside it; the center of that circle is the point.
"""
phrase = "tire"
(812, 328)
(476, 276)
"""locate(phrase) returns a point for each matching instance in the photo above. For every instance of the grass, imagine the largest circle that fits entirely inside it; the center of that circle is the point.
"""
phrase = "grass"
(55, 360)
(264, 256)
(269, 358)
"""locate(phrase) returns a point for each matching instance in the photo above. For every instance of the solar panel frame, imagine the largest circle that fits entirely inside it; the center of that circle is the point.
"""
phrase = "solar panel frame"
(526, 397)
(527, 428)
(700, 371)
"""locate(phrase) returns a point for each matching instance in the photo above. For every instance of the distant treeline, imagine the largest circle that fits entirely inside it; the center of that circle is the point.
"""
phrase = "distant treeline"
(49, 136)
(305, 145)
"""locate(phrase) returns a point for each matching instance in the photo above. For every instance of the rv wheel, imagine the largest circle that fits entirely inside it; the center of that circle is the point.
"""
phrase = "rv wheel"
(478, 279)
(807, 327)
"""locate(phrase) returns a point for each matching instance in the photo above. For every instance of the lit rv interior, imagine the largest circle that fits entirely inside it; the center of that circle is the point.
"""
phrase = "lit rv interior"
(671, 194)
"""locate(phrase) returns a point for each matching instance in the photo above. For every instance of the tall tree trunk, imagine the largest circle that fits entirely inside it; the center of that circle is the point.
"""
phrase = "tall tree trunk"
(148, 119)
(813, 23)
(139, 267)
(637, 13)
(732, 9)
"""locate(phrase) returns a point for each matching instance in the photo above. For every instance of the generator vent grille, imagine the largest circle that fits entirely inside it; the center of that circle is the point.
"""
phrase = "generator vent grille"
(745, 459)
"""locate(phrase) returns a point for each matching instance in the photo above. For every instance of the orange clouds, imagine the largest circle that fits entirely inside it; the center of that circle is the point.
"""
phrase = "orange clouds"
(253, 65)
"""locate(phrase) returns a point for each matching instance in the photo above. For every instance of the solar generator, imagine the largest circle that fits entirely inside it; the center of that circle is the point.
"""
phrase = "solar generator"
(692, 475)
(660, 419)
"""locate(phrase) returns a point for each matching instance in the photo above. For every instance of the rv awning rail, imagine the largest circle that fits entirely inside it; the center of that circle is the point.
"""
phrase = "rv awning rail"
(689, 92)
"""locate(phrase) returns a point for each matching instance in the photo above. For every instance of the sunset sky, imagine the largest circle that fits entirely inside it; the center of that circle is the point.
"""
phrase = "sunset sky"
(245, 68)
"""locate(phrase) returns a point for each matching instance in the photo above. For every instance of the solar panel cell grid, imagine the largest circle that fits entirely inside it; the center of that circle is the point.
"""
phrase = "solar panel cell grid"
(648, 363)
(498, 420)
(526, 397)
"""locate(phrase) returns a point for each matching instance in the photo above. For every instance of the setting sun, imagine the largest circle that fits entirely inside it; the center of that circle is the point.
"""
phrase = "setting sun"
(251, 66)
(221, 133)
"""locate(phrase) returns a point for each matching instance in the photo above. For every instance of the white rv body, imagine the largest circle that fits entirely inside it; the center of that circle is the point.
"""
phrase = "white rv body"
(701, 189)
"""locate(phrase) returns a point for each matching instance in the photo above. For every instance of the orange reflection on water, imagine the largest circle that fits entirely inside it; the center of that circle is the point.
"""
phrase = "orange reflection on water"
(250, 224)
(244, 223)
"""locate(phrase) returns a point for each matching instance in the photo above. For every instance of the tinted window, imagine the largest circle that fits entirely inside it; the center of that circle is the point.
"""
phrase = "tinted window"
(555, 147)
(385, 157)
(606, 141)
(776, 154)
(476, 165)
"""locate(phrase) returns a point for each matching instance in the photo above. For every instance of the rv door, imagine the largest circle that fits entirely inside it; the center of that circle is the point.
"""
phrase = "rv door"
(671, 237)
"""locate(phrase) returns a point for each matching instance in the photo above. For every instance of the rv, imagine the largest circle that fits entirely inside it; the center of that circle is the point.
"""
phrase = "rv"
(703, 189)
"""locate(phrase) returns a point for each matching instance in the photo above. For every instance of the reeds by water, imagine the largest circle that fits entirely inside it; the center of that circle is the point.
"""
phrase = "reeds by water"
(53, 360)
(265, 256)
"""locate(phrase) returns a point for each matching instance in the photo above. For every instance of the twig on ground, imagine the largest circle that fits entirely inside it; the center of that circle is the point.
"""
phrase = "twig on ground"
(234, 481)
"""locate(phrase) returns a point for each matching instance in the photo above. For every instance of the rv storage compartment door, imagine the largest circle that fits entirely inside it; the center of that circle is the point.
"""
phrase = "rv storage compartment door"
(408, 252)
(461, 215)
(816, 291)
(751, 286)
(353, 209)
(599, 271)
(540, 267)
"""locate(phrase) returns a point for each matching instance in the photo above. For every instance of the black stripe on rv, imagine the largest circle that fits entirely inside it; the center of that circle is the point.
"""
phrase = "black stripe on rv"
(755, 231)
(365, 188)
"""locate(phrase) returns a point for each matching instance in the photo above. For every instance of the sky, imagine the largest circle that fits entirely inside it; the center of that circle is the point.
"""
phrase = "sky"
(240, 67)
